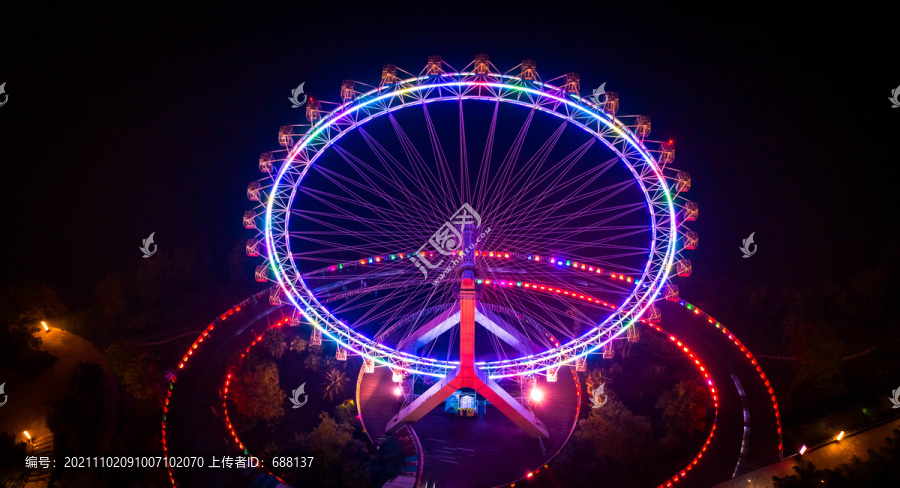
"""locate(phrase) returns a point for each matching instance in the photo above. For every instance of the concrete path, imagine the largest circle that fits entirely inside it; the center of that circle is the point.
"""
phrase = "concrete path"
(827, 456)
(26, 408)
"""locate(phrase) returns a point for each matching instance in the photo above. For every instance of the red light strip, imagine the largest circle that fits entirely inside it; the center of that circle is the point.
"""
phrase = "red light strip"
(715, 396)
(548, 289)
(228, 377)
(184, 361)
(713, 393)
(488, 254)
(743, 348)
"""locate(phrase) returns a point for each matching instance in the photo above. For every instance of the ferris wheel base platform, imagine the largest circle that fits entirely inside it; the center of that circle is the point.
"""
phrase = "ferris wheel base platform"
(479, 381)
(475, 452)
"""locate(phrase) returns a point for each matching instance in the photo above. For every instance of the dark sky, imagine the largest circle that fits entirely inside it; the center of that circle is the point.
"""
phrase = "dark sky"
(126, 121)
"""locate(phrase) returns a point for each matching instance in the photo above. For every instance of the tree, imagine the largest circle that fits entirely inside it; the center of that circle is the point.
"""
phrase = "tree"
(34, 303)
(685, 409)
(298, 344)
(257, 392)
(274, 343)
(12, 471)
(111, 296)
(314, 359)
(346, 412)
(329, 437)
(76, 413)
(21, 311)
(388, 461)
(617, 436)
(593, 380)
(337, 381)
(136, 370)
(808, 475)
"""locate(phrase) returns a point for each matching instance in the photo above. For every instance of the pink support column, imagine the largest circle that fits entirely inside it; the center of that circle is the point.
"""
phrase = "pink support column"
(468, 376)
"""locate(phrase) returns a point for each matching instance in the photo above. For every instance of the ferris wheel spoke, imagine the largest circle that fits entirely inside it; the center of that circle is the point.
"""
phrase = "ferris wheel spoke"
(391, 235)
(551, 316)
(358, 298)
(399, 207)
(463, 157)
(380, 310)
(546, 233)
(425, 186)
(538, 159)
(353, 198)
(391, 326)
(436, 185)
(553, 241)
(326, 199)
(448, 183)
(562, 238)
(481, 181)
(528, 211)
(396, 206)
(386, 310)
(386, 173)
(506, 164)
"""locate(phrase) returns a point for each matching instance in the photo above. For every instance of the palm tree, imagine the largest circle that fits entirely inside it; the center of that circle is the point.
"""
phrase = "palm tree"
(337, 381)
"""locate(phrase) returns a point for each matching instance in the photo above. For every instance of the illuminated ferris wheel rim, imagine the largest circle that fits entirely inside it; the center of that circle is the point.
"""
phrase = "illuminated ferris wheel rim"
(457, 86)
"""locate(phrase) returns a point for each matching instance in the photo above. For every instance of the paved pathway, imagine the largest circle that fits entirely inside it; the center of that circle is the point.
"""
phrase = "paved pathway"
(28, 401)
(827, 456)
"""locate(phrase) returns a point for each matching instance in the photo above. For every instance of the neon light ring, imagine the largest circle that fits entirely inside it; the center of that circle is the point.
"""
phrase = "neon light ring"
(565, 217)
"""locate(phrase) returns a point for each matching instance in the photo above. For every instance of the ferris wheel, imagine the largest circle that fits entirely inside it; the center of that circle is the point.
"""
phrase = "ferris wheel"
(396, 219)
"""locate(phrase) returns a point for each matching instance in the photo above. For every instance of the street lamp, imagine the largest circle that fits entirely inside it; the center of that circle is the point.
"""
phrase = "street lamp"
(30, 440)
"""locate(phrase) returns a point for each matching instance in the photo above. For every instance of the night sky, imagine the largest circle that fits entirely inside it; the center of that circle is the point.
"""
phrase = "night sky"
(124, 122)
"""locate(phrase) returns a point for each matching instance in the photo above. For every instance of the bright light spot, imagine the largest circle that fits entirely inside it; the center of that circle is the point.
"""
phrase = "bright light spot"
(398, 391)
(45, 326)
(27, 435)
(802, 450)
(840, 436)
(537, 394)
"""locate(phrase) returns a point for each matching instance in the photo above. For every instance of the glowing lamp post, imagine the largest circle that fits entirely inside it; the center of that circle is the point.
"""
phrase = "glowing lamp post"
(30, 441)
(46, 329)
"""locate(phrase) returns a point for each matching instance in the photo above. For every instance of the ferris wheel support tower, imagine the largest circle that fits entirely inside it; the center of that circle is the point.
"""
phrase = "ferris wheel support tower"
(467, 375)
